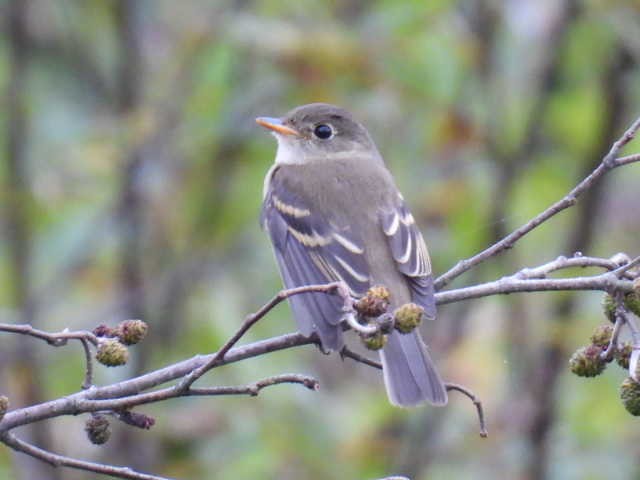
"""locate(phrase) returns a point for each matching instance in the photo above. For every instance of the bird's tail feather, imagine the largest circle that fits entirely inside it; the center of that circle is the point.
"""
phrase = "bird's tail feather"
(409, 373)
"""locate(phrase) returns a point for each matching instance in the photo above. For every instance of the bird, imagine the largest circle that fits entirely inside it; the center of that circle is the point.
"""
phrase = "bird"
(334, 214)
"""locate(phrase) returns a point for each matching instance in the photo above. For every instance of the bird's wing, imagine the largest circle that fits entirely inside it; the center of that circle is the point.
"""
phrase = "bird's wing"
(410, 253)
(311, 250)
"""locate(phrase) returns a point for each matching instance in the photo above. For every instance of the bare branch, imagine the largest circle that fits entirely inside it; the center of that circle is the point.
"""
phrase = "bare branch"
(254, 388)
(88, 361)
(562, 262)
(248, 323)
(127, 393)
(58, 340)
(628, 159)
(56, 460)
(71, 404)
(620, 271)
(515, 283)
(476, 401)
(607, 354)
(54, 339)
(609, 162)
(174, 392)
(346, 353)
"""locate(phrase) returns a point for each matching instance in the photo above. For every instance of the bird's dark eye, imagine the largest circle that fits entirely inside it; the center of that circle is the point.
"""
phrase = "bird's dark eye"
(323, 131)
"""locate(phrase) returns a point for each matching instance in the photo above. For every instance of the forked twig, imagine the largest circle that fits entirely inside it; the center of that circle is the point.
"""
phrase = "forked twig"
(609, 162)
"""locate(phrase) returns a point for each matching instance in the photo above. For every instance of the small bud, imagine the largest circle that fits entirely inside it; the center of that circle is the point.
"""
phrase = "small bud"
(630, 396)
(380, 291)
(632, 302)
(586, 361)
(601, 336)
(408, 317)
(131, 332)
(136, 419)
(609, 307)
(374, 303)
(620, 259)
(622, 355)
(103, 330)
(4, 405)
(98, 429)
(375, 341)
(112, 353)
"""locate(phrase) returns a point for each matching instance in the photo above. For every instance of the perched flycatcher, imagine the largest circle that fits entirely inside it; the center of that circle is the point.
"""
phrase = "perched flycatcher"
(333, 213)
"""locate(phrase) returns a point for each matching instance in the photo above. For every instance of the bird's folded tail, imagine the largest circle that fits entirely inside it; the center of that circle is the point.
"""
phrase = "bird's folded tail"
(409, 373)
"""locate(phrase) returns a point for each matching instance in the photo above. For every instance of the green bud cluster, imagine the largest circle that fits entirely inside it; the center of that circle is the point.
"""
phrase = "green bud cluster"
(98, 429)
(112, 353)
(375, 342)
(630, 396)
(4, 405)
(601, 336)
(609, 307)
(374, 303)
(623, 354)
(586, 361)
(408, 317)
(131, 332)
(632, 302)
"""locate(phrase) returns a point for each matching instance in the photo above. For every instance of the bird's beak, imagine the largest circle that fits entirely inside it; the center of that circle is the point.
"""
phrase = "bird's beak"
(276, 125)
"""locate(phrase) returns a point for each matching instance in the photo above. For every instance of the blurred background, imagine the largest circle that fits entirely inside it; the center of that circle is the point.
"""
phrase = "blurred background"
(131, 181)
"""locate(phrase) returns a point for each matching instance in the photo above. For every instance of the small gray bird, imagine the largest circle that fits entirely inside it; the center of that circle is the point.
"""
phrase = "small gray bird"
(333, 213)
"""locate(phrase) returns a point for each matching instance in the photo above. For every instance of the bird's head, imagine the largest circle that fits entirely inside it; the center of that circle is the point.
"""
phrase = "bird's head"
(316, 132)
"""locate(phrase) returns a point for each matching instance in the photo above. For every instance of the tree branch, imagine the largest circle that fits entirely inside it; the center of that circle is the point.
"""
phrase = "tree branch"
(515, 283)
(127, 393)
(58, 339)
(476, 401)
(248, 323)
(252, 389)
(56, 460)
(609, 162)
(346, 353)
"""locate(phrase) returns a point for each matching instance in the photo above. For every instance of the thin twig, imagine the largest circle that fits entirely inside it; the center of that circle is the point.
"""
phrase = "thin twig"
(251, 389)
(609, 162)
(476, 401)
(88, 373)
(604, 282)
(347, 353)
(73, 404)
(624, 318)
(448, 385)
(56, 460)
(60, 339)
(70, 405)
(634, 359)
(620, 271)
(608, 353)
(252, 319)
(357, 326)
(562, 262)
(628, 159)
(57, 339)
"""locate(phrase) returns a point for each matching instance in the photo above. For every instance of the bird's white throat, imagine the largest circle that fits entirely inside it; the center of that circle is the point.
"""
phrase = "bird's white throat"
(288, 153)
